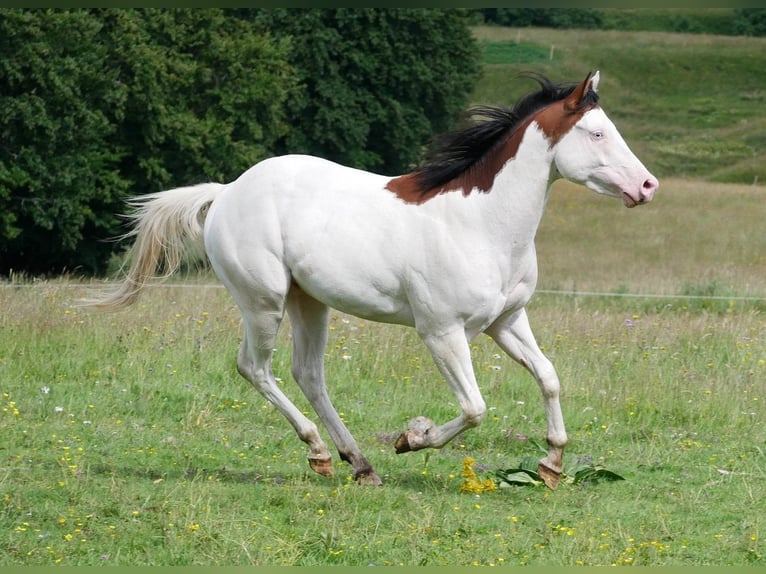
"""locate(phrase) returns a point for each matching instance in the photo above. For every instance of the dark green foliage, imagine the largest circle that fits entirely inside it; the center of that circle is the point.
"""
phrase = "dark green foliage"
(206, 94)
(99, 104)
(57, 106)
(681, 20)
(544, 17)
(751, 21)
(722, 21)
(377, 83)
(578, 470)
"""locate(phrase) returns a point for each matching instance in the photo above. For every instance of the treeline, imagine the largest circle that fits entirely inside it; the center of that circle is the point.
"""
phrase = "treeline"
(729, 22)
(100, 104)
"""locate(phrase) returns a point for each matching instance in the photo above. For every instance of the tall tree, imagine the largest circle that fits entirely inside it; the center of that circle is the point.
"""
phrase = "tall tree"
(206, 94)
(99, 104)
(57, 102)
(377, 83)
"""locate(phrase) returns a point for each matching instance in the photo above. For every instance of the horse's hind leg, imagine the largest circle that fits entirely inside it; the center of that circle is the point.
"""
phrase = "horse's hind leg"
(309, 320)
(254, 364)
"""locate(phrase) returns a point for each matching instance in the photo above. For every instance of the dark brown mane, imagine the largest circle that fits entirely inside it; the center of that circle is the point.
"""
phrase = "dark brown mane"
(467, 157)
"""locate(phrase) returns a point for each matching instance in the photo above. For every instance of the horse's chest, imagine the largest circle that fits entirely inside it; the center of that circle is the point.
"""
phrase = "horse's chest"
(491, 291)
(520, 282)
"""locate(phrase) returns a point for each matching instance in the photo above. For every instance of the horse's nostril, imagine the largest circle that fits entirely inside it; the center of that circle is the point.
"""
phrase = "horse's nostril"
(648, 188)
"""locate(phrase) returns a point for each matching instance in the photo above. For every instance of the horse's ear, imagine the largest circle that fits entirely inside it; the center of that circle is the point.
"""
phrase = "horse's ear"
(593, 83)
(579, 96)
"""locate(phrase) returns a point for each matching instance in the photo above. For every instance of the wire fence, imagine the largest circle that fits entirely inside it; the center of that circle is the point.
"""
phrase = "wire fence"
(650, 295)
(556, 292)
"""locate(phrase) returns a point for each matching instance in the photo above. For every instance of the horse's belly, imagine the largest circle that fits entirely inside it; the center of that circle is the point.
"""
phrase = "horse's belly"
(349, 291)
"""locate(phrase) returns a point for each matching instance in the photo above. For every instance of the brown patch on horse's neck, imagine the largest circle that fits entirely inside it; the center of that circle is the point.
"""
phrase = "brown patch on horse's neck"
(480, 176)
(555, 121)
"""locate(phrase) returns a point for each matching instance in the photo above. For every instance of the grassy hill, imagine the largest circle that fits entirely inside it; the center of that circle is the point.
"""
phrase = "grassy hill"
(691, 106)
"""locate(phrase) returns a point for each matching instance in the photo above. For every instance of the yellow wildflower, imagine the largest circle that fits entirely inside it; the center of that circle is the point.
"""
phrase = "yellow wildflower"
(472, 483)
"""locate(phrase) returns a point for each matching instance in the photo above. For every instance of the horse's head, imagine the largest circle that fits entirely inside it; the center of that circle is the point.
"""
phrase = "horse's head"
(589, 150)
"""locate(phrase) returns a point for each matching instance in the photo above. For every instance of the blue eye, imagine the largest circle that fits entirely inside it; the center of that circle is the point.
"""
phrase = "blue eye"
(597, 135)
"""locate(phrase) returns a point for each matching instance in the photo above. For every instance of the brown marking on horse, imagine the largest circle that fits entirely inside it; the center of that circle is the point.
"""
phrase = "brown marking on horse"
(480, 176)
(554, 120)
(557, 119)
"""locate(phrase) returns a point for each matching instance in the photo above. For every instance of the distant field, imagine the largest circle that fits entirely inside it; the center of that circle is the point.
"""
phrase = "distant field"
(690, 105)
(694, 238)
(129, 439)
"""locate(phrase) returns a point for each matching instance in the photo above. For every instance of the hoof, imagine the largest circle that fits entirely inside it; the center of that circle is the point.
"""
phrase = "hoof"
(322, 466)
(550, 477)
(416, 436)
(402, 444)
(368, 479)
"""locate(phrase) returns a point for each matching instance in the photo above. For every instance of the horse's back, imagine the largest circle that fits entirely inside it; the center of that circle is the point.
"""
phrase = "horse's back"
(309, 174)
(303, 195)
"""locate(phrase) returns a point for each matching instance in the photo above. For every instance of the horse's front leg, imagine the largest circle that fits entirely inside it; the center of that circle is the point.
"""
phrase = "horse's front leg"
(452, 356)
(514, 335)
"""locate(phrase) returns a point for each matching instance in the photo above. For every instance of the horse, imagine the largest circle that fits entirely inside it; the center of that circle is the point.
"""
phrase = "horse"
(448, 248)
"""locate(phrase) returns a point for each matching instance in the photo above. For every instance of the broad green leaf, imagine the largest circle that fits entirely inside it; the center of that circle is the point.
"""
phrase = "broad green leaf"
(518, 477)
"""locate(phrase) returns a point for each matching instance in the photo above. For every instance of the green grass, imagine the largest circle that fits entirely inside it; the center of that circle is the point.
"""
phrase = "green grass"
(513, 52)
(129, 438)
(689, 105)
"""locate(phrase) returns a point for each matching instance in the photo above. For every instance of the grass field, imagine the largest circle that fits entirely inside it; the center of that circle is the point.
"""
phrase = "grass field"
(129, 438)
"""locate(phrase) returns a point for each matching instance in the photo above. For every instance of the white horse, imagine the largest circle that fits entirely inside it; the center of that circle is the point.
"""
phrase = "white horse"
(448, 249)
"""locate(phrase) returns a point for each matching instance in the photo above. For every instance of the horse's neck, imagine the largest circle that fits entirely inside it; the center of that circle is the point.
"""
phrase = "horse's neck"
(519, 193)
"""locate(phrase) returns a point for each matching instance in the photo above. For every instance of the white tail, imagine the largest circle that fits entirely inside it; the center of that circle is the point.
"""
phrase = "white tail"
(165, 225)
